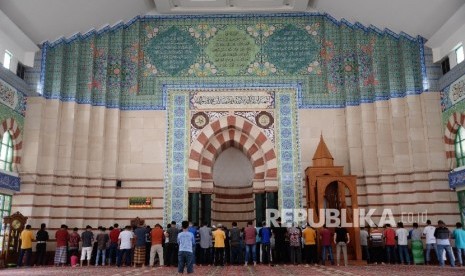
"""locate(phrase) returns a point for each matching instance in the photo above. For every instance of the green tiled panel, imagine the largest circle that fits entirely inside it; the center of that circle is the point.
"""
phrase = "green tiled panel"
(336, 63)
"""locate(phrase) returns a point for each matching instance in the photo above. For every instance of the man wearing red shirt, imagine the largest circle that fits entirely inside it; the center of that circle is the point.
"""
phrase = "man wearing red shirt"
(250, 234)
(62, 237)
(325, 237)
(157, 245)
(390, 243)
(114, 234)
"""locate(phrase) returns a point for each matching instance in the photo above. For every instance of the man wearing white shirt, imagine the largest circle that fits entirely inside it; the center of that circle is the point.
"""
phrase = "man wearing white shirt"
(402, 243)
(428, 233)
(125, 245)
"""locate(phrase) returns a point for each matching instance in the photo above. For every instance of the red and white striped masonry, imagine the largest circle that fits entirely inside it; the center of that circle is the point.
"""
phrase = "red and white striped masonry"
(11, 126)
(232, 131)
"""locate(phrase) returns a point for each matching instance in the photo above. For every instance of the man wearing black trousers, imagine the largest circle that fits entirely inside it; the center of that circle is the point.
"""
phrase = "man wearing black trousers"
(41, 248)
(172, 247)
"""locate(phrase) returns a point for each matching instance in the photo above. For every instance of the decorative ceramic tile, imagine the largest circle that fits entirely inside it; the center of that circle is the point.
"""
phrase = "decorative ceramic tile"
(337, 63)
(210, 117)
(457, 179)
(176, 158)
(180, 115)
(12, 101)
(232, 99)
(9, 182)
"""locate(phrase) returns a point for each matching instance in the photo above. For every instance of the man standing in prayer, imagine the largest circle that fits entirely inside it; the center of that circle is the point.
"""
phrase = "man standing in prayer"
(61, 237)
(219, 236)
(102, 240)
(390, 244)
(235, 243)
(172, 246)
(139, 250)
(73, 245)
(41, 247)
(442, 235)
(279, 234)
(205, 242)
(295, 245)
(125, 239)
(157, 245)
(193, 229)
(309, 238)
(325, 237)
(26, 238)
(249, 237)
(417, 245)
(428, 232)
(376, 244)
(114, 234)
(341, 239)
(402, 243)
(364, 243)
(459, 236)
(185, 241)
(265, 235)
(87, 238)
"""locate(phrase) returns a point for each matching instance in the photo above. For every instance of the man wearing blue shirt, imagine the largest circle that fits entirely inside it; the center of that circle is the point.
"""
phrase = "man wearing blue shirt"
(185, 254)
(459, 236)
(193, 229)
(265, 236)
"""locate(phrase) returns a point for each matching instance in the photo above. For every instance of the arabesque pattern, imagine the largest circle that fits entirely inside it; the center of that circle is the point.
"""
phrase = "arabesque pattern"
(337, 63)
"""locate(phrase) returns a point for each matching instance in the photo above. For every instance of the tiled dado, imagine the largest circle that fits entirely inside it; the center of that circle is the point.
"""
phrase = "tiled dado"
(278, 161)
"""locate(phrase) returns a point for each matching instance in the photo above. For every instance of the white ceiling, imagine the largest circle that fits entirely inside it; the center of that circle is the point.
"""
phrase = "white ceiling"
(50, 19)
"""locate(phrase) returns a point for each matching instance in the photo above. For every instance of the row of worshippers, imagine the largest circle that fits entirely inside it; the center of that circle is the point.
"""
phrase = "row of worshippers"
(128, 246)
(131, 245)
(219, 245)
(388, 245)
(141, 245)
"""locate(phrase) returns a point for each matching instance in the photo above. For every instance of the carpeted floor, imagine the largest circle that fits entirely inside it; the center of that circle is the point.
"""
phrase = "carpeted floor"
(372, 270)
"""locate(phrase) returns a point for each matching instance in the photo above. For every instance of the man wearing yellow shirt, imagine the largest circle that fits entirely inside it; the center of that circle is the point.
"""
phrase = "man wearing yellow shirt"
(219, 236)
(309, 236)
(26, 238)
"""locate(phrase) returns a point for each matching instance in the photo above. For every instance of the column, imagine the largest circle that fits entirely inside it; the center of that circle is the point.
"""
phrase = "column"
(260, 206)
(206, 208)
(194, 208)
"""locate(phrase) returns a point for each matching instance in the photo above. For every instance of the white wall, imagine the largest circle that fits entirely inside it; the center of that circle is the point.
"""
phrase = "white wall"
(74, 153)
(448, 37)
(16, 42)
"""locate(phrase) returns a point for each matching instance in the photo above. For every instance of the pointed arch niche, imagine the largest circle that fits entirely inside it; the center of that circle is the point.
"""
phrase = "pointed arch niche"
(328, 187)
(203, 122)
(240, 204)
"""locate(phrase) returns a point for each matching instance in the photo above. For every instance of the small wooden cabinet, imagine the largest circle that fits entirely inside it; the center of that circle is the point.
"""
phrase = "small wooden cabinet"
(13, 226)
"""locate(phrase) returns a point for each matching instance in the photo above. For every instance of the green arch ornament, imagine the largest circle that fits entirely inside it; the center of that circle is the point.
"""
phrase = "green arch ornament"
(232, 50)
(172, 51)
(291, 49)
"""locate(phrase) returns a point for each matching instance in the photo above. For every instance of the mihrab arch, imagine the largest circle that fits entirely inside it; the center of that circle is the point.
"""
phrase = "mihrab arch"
(223, 204)
(232, 131)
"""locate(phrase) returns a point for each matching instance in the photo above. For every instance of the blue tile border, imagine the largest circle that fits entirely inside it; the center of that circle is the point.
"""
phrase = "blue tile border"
(9, 182)
(176, 96)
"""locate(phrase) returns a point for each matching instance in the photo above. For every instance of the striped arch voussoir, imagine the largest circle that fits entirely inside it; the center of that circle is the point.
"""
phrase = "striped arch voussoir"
(456, 120)
(236, 132)
(11, 126)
